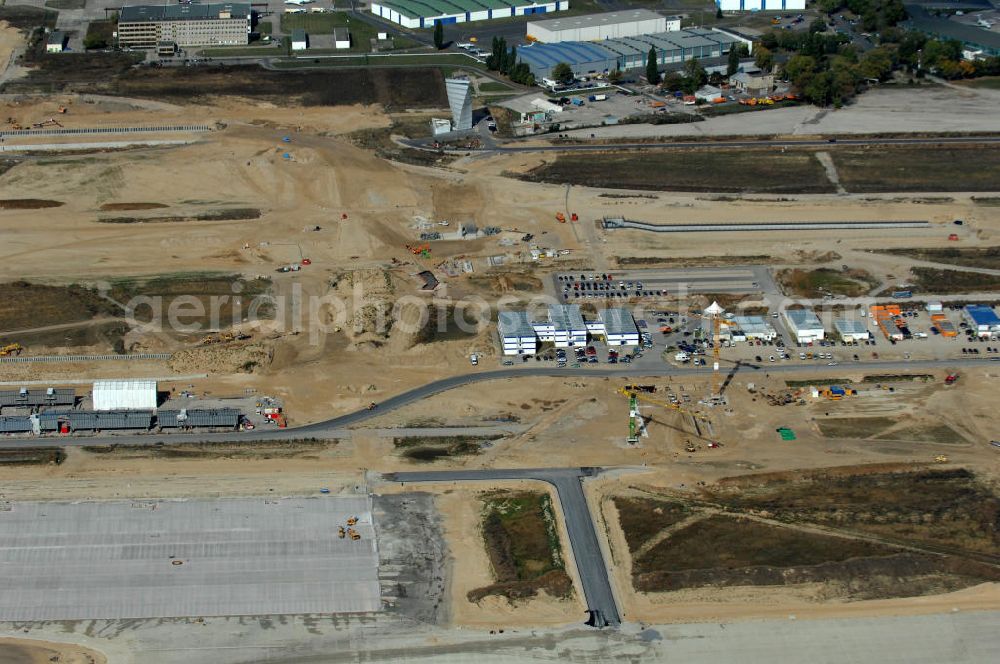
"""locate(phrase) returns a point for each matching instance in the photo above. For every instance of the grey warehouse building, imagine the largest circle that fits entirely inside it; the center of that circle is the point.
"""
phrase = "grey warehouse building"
(627, 53)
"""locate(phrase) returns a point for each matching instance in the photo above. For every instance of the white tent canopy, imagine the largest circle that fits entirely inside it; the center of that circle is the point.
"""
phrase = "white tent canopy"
(125, 395)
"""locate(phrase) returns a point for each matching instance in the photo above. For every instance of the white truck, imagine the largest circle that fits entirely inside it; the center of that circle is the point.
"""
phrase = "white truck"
(474, 359)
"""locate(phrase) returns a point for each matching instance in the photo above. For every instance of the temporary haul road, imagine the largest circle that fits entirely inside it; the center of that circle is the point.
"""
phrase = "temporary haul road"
(333, 427)
(583, 541)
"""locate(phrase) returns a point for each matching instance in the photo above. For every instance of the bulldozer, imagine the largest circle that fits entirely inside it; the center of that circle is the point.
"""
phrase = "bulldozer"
(352, 521)
(940, 458)
(341, 533)
(353, 534)
(11, 349)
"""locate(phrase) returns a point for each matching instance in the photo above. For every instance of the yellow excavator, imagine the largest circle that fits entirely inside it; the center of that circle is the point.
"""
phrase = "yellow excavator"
(11, 349)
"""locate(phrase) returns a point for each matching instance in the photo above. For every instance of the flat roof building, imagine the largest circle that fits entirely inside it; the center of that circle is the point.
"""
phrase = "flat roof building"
(425, 13)
(619, 327)
(626, 53)
(851, 330)
(752, 327)
(564, 328)
(517, 334)
(593, 27)
(42, 396)
(982, 319)
(804, 324)
(760, 5)
(145, 26)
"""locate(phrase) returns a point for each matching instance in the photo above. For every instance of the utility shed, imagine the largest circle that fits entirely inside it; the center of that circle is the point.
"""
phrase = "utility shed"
(341, 38)
(15, 424)
(125, 395)
(299, 40)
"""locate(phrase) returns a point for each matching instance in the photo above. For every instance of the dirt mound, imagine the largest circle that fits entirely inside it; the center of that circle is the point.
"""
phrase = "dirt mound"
(230, 358)
(28, 204)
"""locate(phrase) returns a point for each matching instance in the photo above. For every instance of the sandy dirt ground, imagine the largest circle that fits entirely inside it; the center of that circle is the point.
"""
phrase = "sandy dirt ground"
(572, 422)
(34, 651)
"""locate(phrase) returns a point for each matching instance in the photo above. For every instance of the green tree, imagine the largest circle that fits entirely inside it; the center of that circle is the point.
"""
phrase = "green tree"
(615, 76)
(652, 71)
(511, 60)
(735, 53)
(718, 13)
(94, 41)
(673, 81)
(695, 73)
(562, 72)
(800, 70)
(764, 58)
(876, 64)
(438, 35)
(829, 7)
(818, 25)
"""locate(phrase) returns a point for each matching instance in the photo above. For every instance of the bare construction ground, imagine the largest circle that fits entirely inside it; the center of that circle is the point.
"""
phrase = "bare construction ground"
(168, 559)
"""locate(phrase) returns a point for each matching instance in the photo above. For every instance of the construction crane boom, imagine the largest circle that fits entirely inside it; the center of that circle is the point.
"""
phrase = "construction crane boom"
(665, 404)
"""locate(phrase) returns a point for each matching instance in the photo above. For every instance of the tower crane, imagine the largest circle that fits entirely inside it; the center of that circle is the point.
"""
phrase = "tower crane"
(714, 313)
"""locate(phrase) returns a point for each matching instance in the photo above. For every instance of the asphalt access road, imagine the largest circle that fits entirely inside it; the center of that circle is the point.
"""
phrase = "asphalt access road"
(710, 144)
(326, 428)
(586, 549)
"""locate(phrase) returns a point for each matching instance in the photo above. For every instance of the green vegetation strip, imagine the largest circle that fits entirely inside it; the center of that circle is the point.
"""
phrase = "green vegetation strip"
(730, 171)
(522, 541)
(944, 282)
(982, 257)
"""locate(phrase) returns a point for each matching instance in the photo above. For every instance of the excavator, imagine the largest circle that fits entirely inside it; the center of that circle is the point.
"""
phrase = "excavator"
(11, 349)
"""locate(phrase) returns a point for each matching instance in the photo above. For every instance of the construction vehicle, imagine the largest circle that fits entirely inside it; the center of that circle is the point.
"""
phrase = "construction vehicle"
(560, 217)
(940, 458)
(423, 250)
(341, 533)
(352, 521)
(353, 534)
(62, 110)
(950, 379)
(11, 349)
(46, 123)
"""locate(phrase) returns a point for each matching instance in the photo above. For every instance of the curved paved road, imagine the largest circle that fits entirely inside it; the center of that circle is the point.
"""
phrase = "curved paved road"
(326, 428)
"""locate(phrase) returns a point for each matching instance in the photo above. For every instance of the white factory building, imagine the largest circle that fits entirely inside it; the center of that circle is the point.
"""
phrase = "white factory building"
(760, 5)
(517, 335)
(851, 330)
(595, 27)
(804, 324)
(124, 395)
(617, 327)
(751, 328)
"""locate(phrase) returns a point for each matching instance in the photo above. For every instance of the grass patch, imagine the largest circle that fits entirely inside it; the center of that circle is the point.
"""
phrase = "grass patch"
(984, 257)
(427, 449)
(66, 4)
(28, 204)
(695, 261)
(925, 433)
(855, 427)
(819, 282)
(119, 207)
(642, 519)
(818, 382)
(380, 141)
(109, 335)
(234, 214)
(257, 450)
(939, 507)
(494, 86)
(27, 305)
(34, 456)
(28, 18)
(447, 62)
(916, 168)
(988, 201)
(730, 171)
(265, 28)
(986, 82)
(942, 282)
(896, 378)
(394, 88)
(522, 541)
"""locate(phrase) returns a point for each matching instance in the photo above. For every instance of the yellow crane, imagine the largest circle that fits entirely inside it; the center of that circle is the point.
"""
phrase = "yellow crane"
(714, 313)
(630, 394)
